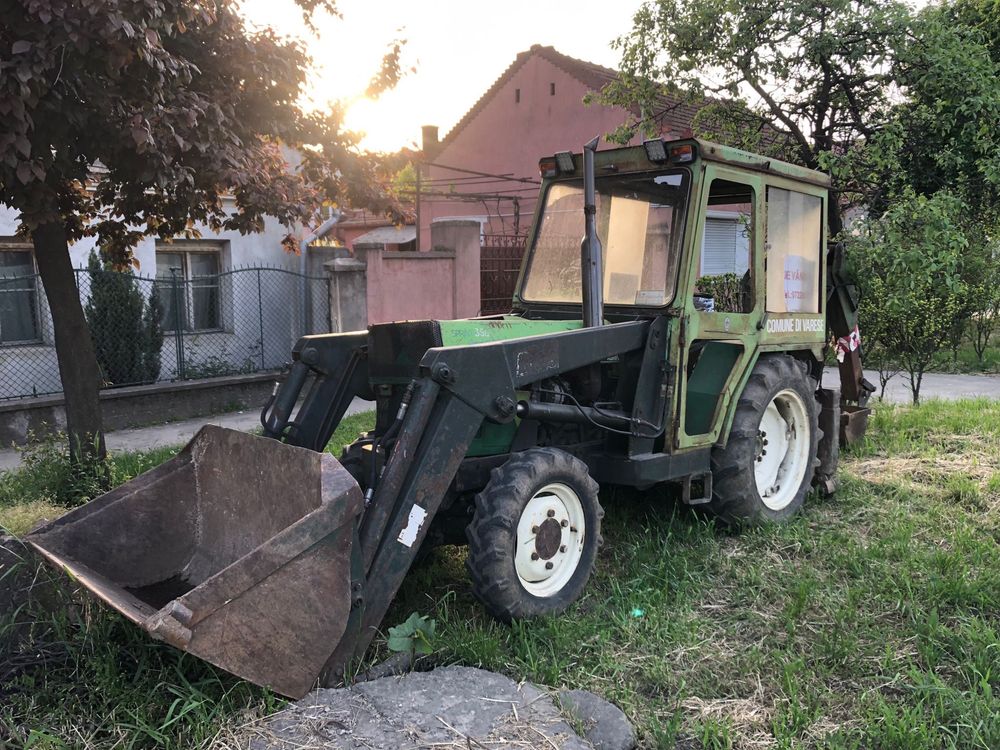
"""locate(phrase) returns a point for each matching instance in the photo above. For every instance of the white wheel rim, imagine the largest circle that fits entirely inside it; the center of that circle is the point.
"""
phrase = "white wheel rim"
(550, 538)
(782, 451)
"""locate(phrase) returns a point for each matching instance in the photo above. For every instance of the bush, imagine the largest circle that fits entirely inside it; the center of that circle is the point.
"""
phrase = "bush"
(124, 326)
(909, 266)
(985, 299)
(726, 289)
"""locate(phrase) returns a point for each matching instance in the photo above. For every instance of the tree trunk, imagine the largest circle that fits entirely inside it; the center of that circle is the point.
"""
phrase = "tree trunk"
(834, 217)
(78, 368)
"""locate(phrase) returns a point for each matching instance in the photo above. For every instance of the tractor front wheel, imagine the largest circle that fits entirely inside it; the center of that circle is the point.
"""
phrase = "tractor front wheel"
(535, 533)
(766, 468)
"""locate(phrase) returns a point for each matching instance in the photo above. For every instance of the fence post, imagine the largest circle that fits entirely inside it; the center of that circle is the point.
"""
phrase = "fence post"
(260, 321)
(178, 322)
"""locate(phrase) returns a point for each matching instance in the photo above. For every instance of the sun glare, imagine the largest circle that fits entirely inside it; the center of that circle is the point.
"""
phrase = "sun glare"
(458, 47)
(346, 55)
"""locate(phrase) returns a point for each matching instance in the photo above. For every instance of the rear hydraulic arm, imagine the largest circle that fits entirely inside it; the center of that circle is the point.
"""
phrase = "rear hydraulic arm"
(842, 320)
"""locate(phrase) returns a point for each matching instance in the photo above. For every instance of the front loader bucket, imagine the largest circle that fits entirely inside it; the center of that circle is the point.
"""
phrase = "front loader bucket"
(237, 550)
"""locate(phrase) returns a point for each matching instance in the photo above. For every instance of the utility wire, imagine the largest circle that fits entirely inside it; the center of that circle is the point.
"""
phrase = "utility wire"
(484, 174)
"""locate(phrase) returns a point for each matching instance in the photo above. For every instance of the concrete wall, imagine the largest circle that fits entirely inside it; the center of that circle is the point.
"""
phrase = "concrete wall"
(439, 283)
(380, 285)
(138, 406)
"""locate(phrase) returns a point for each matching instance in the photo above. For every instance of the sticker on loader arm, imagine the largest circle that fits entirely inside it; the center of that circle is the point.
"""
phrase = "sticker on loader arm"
(409, 533)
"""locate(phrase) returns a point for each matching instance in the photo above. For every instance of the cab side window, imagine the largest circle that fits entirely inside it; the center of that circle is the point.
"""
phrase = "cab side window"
(725, 274)
(793, 252)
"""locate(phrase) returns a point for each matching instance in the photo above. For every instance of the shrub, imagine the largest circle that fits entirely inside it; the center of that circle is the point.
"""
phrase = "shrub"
(725, 288)
(124, 326)
(909, 266)
(985, 298)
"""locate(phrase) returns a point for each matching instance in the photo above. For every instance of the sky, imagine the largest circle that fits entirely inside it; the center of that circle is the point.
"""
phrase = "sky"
(458, 49)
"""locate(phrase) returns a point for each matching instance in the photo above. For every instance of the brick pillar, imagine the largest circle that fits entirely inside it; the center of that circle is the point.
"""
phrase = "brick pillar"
(463, 237)
(348, 294)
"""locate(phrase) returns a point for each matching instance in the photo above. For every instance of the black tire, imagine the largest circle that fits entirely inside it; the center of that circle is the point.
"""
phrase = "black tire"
(493, 533)
(735, 496)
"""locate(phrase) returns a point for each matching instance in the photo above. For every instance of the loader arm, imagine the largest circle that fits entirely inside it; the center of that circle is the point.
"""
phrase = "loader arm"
(456, 389)
(338, 366)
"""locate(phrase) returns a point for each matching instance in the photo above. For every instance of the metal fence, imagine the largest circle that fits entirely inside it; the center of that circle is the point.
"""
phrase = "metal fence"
(500, 263)
(148, 330)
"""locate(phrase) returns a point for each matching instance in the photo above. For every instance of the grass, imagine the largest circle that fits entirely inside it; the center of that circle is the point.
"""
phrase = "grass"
(48, 484)
(964, 360)
(871, 621)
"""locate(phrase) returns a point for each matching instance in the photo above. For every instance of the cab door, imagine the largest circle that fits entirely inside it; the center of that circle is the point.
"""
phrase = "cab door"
(724, 281)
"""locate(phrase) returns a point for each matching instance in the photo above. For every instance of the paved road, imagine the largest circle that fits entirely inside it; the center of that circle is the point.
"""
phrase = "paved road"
(934, 385)
(175, 433)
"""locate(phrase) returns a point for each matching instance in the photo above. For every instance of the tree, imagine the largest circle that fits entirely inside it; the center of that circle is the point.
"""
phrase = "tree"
(130, 118)
(124, 327)
(985, 295)
(895, 104)
(802, 77)
(908, 267)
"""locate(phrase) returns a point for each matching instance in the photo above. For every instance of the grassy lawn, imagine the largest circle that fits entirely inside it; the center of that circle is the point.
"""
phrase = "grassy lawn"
(871, 621)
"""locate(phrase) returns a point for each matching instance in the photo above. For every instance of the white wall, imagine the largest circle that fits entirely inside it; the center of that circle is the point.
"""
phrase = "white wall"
(33, 369)
(263, 249)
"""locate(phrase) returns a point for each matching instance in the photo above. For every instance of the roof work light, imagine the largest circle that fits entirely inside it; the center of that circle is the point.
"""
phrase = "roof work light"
(656, 150)
(564, 160)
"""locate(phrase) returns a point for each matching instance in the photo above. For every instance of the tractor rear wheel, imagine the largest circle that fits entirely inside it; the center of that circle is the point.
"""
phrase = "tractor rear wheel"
(766, 468)
(534, 537)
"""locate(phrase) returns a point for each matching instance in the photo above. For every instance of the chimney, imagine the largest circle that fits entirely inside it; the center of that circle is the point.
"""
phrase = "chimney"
(429, 141)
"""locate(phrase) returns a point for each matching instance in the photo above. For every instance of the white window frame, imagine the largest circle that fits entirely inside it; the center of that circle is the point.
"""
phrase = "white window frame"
(186, 249)
(12, 245)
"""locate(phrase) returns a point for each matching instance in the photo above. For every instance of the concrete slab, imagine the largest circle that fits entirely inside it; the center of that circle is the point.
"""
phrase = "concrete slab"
(449, 708)
(175, 433)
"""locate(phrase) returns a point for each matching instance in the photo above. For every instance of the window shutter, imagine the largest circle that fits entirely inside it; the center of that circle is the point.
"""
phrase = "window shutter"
(725, 249)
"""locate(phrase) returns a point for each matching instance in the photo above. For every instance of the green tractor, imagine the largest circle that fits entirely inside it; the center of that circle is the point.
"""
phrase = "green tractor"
(627, 359)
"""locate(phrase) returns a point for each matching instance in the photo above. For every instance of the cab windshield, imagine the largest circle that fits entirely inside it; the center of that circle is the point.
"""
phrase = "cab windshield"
(640, 221)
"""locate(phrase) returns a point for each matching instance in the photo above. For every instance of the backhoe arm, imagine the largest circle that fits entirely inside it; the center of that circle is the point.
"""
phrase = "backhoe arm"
(842, 322)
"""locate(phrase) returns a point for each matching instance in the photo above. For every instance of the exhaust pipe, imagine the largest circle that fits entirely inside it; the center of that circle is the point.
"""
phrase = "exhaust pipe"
(591, 252)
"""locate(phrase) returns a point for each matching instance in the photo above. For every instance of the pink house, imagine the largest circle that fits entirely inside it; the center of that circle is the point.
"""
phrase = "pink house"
(534, 109)
(482, 180)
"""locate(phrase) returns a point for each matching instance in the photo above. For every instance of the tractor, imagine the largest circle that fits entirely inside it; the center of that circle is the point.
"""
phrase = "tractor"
(680, 343)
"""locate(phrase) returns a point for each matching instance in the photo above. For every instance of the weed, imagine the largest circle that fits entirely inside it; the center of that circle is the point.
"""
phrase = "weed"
(48, 475)
(414, 636)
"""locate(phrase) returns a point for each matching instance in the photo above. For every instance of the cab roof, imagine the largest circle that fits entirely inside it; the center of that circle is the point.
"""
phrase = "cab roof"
(738, 157)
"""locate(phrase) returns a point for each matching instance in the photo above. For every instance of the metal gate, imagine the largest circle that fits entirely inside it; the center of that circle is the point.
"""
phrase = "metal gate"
(500, 263)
